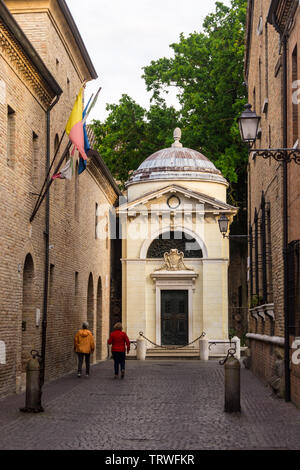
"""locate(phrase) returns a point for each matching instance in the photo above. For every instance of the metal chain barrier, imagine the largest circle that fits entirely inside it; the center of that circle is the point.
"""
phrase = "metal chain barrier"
(231, 352)
(172, 347)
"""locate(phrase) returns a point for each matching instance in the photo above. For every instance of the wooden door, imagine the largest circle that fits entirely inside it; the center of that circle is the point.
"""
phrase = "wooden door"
(174, 317)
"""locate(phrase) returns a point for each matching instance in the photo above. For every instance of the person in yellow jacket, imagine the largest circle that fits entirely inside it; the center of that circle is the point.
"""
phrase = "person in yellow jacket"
(84, 345)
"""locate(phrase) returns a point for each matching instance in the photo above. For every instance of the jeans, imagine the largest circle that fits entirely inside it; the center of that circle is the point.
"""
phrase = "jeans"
(119, 360)
(81, 356)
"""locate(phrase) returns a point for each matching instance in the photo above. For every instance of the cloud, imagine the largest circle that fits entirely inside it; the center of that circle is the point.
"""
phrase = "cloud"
(124, 36)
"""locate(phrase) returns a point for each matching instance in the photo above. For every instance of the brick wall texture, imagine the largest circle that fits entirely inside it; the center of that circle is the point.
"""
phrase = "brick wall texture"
(265, 81)
(79, 278)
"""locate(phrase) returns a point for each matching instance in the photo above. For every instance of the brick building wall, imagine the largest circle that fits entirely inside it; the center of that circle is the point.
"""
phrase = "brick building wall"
(264, 75)
(80, 264)
(264, 82)
(293, 51)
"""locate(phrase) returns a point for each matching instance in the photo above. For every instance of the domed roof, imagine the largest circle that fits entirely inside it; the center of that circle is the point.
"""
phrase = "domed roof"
(176, 163)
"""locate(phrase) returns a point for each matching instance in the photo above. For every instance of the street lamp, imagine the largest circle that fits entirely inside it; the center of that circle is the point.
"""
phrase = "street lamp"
(223, 226)
(248, 124)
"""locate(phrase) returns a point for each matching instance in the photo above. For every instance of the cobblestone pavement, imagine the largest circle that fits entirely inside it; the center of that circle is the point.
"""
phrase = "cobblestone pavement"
(160, 405)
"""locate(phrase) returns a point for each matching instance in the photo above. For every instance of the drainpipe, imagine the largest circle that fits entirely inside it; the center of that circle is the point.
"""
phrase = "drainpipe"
(285, 230)
(47, 240)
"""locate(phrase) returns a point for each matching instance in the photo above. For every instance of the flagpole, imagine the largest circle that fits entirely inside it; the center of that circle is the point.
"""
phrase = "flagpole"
(50, 181)
(46, 179)
(42, 197)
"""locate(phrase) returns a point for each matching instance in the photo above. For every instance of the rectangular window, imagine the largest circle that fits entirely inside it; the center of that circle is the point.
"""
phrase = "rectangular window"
(96, 221)
(295, 105)
(267, 60)
(254, 100)
(251, 261)
(260, 86)
(256, 256)
(52, 266)
(11, 137)
(76, 285)
(263, 241)
(35, 159)
(269, 253)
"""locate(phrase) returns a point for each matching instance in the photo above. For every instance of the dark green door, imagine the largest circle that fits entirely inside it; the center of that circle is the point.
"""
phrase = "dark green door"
(174, 317)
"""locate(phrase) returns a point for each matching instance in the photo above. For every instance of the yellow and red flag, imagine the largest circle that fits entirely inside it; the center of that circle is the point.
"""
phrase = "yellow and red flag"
(74, 127)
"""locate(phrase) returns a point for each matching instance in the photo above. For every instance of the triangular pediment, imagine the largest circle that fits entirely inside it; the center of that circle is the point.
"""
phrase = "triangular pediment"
(160, 197)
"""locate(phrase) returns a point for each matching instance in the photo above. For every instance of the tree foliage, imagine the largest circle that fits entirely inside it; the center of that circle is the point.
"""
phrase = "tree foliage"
(130, 134)
(207, 71)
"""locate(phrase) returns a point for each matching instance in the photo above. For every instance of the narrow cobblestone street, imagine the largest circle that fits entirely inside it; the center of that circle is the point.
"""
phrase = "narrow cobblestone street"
(161, 405)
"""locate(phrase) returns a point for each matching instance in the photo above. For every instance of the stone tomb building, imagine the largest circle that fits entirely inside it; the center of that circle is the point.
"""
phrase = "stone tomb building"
(174, 258)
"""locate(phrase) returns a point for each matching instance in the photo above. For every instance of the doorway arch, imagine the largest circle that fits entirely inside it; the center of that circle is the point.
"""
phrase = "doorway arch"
(28, 312)
(90, 303)
(99, 321)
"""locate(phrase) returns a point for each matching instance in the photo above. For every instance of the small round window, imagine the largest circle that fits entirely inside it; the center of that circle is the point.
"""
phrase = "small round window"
(173, 202)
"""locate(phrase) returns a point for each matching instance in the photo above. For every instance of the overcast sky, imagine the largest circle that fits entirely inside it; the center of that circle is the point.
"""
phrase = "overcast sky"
(124, 36)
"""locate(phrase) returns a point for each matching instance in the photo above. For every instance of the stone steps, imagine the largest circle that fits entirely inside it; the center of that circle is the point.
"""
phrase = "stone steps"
(183, 353)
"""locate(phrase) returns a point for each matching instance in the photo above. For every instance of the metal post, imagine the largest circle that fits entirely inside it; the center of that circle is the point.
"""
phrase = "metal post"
(232, 372)
(33, 401)
(46, 272)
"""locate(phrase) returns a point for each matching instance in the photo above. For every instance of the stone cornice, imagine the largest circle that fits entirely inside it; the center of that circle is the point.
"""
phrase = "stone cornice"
(21, 63)
(95, 170)
(65, 26)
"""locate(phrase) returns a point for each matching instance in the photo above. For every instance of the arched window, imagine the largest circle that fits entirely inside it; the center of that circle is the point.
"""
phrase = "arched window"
(180, 240)
(28, 311)
(99, 321)
(90, 303)
(56, 143)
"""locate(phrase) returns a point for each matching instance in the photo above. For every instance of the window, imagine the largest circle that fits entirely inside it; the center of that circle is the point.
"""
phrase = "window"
(35, 159)
(261, 281)
(96, 220)
(180, 240)
(56, 143)
(11, 136)
(295, 105)
(52, 266)
(260, 85)
(76, 285)
(266, 60)
(294, 286)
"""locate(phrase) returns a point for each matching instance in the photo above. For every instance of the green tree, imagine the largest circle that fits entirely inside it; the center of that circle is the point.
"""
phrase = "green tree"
(207, 71)
(130, 134)
(119, 137)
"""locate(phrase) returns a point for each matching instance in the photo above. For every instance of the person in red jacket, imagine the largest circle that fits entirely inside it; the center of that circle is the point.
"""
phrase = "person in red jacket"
(119, 341)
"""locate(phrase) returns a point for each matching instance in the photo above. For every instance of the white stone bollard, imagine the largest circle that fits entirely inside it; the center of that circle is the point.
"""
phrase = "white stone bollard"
(204, 351)
(237, 342)
(140, 349)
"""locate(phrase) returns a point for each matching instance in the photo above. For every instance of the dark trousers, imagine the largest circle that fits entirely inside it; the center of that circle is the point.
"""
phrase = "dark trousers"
(119, 360)
(81, 356)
